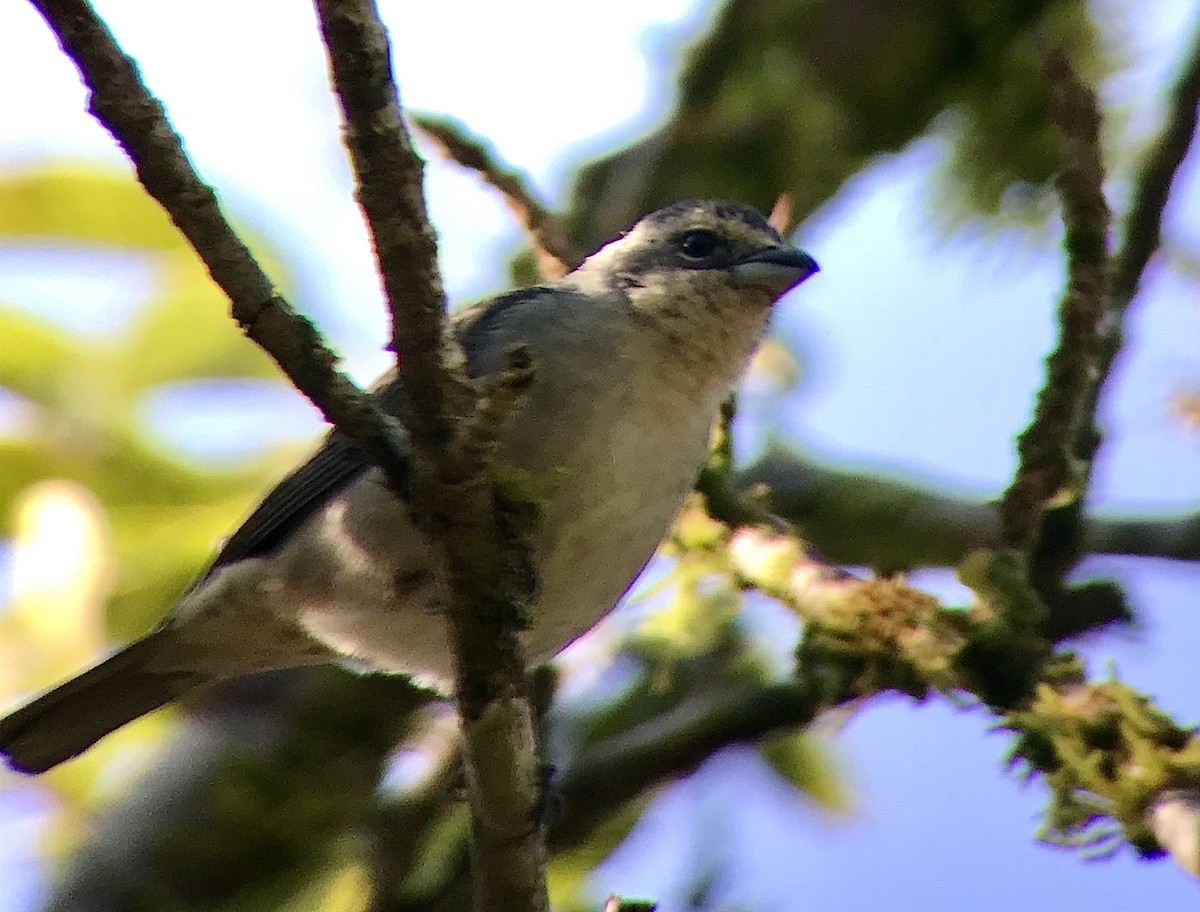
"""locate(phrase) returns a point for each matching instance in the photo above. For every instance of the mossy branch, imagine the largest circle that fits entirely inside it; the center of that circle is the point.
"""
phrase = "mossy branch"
(485, 560)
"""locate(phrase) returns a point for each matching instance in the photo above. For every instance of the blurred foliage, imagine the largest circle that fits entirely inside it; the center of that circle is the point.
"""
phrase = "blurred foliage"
(780, 96)
(808, 91)
(86, 420)
(108, 524)
(568, 871)
(86, 483)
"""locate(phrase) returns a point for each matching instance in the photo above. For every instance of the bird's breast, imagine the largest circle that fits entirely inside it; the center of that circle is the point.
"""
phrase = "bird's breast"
(618, 480)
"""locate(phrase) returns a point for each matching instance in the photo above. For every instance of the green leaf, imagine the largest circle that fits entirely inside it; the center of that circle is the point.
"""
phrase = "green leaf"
(185, 538)
(187, 333)
(36, 358)
(568, 872)
(804, 761)
(89, 204)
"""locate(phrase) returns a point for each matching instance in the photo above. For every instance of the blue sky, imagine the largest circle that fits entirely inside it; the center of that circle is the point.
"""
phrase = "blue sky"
(920, 354)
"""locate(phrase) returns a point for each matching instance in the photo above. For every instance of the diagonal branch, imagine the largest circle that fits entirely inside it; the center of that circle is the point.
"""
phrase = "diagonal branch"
(1062, 536)
(1046, 468)
(485, 561)
(391, 196)
(1142, 227)
(606, 775)
(121, 102)
(555, 255)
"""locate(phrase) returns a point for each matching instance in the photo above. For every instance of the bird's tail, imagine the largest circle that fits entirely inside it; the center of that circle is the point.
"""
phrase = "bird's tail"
(69, 719)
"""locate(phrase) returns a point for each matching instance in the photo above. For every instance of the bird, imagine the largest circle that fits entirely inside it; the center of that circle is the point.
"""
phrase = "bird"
(632, 353)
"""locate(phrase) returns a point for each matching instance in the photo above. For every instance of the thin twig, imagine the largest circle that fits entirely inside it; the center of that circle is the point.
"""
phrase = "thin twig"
(1142, 225)
(606, 775)
(1063, 530)
(1047, 468)
(1142, 228)
(485, 560)
(555, 254)
(121, 102)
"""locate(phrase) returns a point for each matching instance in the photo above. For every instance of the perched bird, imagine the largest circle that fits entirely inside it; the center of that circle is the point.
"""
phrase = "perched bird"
(632, 353)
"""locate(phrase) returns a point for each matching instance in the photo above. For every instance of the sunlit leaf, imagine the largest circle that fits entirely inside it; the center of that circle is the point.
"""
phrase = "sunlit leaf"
(568, 872)
(34, 356)
(89, 204)
(61, 567)
(22, 462)
(805, 761)
(187, 333)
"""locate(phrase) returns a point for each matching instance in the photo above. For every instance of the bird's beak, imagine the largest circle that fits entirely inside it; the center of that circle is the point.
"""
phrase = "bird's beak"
(775, 269)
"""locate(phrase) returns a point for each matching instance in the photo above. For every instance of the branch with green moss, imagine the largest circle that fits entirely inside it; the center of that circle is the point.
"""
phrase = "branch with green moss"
(1111, 760)
(1061, 537)
(484, 556)
(1047, 472)
(487, 563)
(1114, 763)
(1043, 509)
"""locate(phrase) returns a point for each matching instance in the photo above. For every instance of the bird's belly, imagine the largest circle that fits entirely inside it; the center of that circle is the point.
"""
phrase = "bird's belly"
(601, 530)
(361, 578)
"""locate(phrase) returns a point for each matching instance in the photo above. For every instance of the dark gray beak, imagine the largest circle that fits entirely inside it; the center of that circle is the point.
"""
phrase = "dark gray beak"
(775, 269)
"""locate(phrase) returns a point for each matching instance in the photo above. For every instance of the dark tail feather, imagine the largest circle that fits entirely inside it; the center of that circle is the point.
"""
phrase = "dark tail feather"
(72, 717)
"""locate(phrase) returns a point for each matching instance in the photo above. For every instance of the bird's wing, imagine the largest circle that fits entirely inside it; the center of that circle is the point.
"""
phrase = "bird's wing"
(339, 461)
(293, 500)
(475, 325)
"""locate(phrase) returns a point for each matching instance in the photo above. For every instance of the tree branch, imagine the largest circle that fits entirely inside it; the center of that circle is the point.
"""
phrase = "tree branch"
(390, 193)
(1105, 751)
(1142, 225)
(1107, 754)
(1142, 235)
(1046, 468)
(608, 774)
(486, 561)
(448, 488)
(121, 102)
(865, 519)
(555, 255)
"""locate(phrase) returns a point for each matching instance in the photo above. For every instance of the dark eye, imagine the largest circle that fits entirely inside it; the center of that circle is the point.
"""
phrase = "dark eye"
(699, 244)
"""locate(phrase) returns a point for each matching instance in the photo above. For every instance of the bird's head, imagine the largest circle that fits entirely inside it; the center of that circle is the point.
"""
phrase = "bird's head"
(702, 272)
(705, 244)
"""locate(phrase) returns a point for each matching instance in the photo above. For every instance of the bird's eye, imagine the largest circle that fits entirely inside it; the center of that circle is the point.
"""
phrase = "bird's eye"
(699, 244)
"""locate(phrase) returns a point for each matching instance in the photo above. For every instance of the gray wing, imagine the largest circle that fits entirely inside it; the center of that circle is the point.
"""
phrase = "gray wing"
(339, 461)
(292, 501)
